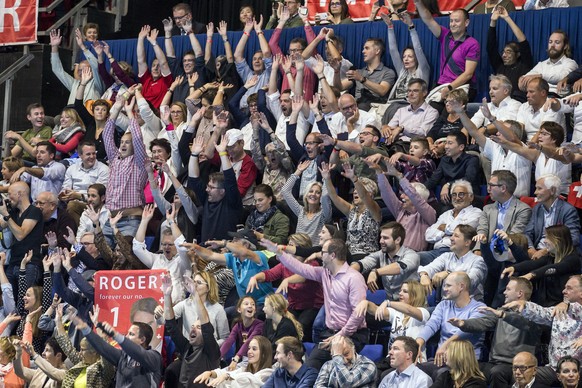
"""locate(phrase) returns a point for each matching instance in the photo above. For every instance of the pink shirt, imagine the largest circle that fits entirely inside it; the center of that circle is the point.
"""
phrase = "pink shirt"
(341, 292)
(415, 223)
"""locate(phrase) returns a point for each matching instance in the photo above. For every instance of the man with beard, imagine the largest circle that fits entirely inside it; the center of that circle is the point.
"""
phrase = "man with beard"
(556, 67)
(513, 333)
(200, 351)
(456, 303)
(158, 79)
(393, 263)
(96, 202)
(292, 373)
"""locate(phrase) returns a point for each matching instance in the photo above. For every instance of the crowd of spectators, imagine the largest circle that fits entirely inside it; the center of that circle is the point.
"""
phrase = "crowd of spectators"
(283, 193)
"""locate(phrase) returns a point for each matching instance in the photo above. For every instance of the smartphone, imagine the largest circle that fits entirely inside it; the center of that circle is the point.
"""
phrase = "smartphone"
(322, 16)
(303, 11)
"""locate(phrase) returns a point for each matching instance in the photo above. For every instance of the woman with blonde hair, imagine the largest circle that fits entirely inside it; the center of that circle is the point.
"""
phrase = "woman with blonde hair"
(364, 213)
(204, 284)
(252, 373)
(304, 297)
(68, 133)
(407, 316)
(279, 321)
(550, 273)
(316, 209)
(464, 369)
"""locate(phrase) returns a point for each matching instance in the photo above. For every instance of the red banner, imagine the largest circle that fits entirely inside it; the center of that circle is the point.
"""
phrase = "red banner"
(124, 297)
(18, 21)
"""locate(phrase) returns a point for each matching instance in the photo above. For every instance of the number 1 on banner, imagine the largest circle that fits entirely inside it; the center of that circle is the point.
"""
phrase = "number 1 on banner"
(115, 312)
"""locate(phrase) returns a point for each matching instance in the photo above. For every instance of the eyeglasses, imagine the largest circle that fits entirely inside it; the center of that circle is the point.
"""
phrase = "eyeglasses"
(312, 143)
(210, 187)
(42, 203)
(176, 18)
(522, 368)
(166, 244)
(176, 112)
(366, 134)
(459, 195)
(494, 184)
(200, 282)
(86, 244)
(335, 4)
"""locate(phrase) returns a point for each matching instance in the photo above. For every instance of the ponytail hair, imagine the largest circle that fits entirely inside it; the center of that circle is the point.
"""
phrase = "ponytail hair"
(281, 306)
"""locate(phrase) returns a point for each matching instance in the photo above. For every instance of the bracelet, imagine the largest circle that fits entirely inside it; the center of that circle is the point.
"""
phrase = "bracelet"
(288, 72)
(225, 40)
(209, 40)
(170, 222)
(223, 153)
(354, 181)
(246, 33)
(410, 28)
(192, 86)
(363, 81)
(167, 37)
(194, 155)
(154, 44)
(110, 56)
(320, 78)
(170, 91)
(450, 87)
(260, 33)
(83, 84)
(389, 304)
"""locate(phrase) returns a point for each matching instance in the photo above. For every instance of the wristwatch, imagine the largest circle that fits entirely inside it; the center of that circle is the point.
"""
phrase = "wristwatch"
(364, 79)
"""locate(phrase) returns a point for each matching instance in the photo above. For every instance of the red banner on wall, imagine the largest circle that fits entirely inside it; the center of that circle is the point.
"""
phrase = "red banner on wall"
(18, 22)
(124, 297)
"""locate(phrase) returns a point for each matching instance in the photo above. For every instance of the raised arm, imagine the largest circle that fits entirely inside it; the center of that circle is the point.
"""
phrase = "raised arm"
(160, 56)
(222, 31)
(342, 205)
(427, 18)
(168, 44)
(239, 51)
(142, 65)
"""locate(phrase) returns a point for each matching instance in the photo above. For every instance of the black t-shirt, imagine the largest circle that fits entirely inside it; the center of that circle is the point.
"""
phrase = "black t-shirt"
(31, 241)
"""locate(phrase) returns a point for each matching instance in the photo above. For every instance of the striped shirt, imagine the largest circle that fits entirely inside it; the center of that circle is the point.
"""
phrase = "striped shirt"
(127, 176)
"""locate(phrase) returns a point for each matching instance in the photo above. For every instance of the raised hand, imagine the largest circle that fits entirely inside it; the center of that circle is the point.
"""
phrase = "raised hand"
(187, 26)
(269, 245)
(94, 315)
(209, 30)
(79, 38)
(144, 32)
(485, 110)
(114, 220)
(177, 81)
(167, 284)
(92, 214)
(348, 171)
(387, 19)
(171, 213)
(47, 262)
(148, 212)
(258, 24)
(319, 65)
(197, 145)
(296, 103)
(302, 167)
(507, 272)
(286, 62)
(26, 259)
(222, 29)
(222, 146)
(70, 236)
(168, 25)
(86, 75)
(153, 36)
(56, 38)
(51, 238)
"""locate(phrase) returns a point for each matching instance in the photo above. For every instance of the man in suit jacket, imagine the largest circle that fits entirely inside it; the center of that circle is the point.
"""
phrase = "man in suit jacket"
(182, 13)
(507, 213)
(549, 211)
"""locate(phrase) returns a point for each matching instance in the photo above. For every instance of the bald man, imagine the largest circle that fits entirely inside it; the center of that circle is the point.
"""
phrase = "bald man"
(56, 220)
(25, 223)
(350, 120)
(524, 371)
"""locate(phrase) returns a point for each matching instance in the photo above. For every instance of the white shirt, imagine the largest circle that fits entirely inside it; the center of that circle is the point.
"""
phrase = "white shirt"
(577, 115)
(533, 120)
(554, 72)
(86, 225)
(328, 71)
(502, 160)
(338, 124)
(52, 180)
(79, 179)
(281, 131)
(178, 266)
(563, 171)
(537, 4)
(467, 216)
(507, 110)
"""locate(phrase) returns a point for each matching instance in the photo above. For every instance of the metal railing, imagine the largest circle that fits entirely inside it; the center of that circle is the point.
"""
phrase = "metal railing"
(7, 77)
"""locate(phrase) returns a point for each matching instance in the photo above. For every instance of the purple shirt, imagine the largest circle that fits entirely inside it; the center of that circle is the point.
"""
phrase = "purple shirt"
(468, 50)
(341, 292)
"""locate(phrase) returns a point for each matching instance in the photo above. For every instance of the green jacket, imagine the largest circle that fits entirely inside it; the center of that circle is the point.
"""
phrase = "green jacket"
(277, 228)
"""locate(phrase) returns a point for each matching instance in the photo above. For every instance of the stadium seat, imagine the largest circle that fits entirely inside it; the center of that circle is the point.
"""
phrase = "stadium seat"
(376, 297)
(373, 352)
(230, 354)
(308, 347)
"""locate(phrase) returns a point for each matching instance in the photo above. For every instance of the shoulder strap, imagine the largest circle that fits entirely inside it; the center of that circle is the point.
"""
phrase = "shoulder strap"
(450, 51)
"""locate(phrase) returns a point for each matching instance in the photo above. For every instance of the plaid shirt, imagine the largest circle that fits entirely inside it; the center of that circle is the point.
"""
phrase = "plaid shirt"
(127, 176)
(336, 374)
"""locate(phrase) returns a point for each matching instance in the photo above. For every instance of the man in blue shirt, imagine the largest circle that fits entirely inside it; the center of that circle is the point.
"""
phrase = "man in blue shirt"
(291, 372)
(456, 303)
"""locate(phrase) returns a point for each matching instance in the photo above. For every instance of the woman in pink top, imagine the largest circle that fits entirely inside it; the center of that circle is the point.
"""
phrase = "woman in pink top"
(411, 209)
